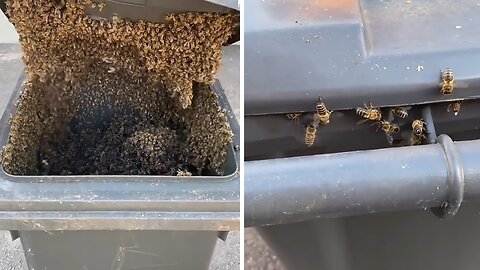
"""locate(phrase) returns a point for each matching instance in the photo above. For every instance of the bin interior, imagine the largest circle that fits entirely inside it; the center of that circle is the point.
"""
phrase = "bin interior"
(117, 96)
(66, 140)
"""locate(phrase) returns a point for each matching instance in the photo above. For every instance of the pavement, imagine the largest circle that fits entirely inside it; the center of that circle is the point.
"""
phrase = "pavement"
(258, 256)
(227, 253)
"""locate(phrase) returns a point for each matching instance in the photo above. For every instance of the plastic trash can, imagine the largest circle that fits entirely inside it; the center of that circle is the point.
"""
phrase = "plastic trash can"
(354, 199)
(120, 222)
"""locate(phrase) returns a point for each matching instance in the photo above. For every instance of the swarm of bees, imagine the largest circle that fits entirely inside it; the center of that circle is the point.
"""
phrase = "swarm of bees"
(374, 115)
(151, 69)
(57, 37)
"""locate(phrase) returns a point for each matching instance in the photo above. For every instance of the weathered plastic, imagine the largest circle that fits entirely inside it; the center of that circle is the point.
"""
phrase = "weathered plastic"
(394, 241)
(288, 190)
(118, 250)
(184, 215)
(322, 205)
(352, 53)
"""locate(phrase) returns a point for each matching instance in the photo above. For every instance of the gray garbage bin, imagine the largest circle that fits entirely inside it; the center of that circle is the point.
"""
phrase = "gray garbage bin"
(355, 198)
(120, 222)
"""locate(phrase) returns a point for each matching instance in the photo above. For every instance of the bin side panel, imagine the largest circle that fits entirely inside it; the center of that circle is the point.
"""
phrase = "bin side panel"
(118, 250)
(394, 241)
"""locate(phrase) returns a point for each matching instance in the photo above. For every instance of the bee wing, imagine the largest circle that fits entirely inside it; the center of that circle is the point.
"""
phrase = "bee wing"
(362, 121)
(449, 107)
(336, 114)
(389, 139)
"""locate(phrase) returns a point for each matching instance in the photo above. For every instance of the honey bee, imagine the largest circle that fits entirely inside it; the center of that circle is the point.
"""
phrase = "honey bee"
(294, 116)
(455, 107)
(310, 134)
(101, 6)
(388, 128)
(322, 112)
(401, 112)
(419, 127)
(448, 82)
(59, 4)
(369, 113)
(417, 139)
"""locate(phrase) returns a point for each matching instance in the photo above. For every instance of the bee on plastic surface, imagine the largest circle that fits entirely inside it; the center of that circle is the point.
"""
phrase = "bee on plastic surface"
(417, 139)
(401, 112)
(419, 127)
(448, 82)
(310, 134)
(455, 107)
(369, 113)
(311, 130)
(389, 129)
(323, 112)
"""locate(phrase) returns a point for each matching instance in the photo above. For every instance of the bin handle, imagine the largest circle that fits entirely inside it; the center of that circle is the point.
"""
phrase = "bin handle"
(456, 181)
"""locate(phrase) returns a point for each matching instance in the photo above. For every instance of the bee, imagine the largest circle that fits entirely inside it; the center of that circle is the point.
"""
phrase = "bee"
(455, 107)
(294, 116)
(448, 82)
(388, 128)
(417, 139)
(419, 127)
(310, 134)
(401, 112)
(101, 6)
(369, 113)
(59, 4)
(322, 112)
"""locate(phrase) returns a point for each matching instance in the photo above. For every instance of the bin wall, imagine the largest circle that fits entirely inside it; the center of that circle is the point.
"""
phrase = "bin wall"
(118, 250)
(394, 241)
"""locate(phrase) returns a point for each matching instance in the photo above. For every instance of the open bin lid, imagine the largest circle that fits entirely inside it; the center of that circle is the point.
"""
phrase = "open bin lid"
(352, 52)
(155, 11)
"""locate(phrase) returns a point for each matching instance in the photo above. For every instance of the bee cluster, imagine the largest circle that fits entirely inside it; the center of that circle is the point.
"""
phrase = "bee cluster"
(117, 97)
(58, 38)
(374, 114)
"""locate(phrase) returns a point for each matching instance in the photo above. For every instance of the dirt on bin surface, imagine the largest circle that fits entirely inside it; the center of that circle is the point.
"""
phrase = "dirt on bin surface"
(117, 97)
